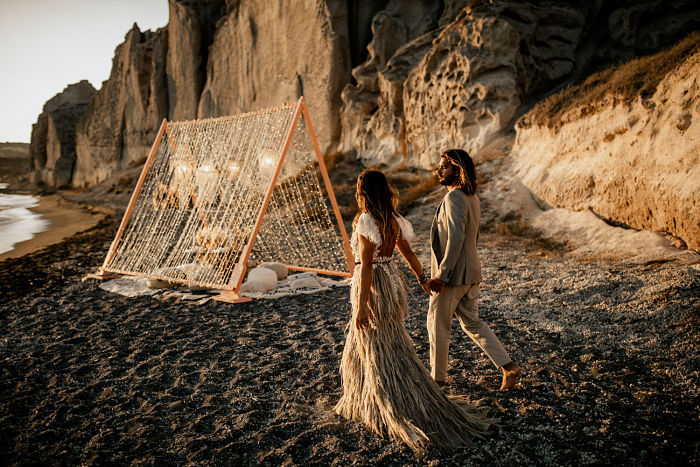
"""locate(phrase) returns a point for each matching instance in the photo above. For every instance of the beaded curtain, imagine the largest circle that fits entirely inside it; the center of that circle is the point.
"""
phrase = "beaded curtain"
(203, 193)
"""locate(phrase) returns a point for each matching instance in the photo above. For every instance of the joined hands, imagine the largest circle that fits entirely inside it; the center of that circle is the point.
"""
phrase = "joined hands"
(433, 286)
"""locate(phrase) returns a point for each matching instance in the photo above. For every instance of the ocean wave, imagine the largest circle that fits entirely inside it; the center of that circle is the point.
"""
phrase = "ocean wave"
(17, 222)
(11, 201)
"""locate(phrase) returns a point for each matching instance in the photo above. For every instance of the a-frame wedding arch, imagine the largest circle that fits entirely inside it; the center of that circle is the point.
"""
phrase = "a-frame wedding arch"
(216, 194)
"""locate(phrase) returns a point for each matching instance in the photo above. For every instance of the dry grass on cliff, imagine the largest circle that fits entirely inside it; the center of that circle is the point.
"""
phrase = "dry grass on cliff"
(343, 170)
(622, 83)
(411, 186)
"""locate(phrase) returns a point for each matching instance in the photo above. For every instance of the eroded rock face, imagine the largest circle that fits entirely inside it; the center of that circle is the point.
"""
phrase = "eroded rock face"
(435, 74)
(456, 85)
(52, 148)
(466, 79)
(549, 37)
(121, 122)
(373, 110)
(266, 54)
(191, 27)
(637, 164)
(464, 90)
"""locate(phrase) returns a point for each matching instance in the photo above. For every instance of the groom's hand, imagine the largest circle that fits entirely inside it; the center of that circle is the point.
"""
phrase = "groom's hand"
(436, 285)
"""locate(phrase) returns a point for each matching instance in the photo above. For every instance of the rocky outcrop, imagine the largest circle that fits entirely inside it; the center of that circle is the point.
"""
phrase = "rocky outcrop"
(216, 58)
(52, 148)
(122, 121)
(373, 117)
(633, 159)
(191, 28)
(395, 81)
(465, 81)
(464, 90)
(457, 85)
(266, 54)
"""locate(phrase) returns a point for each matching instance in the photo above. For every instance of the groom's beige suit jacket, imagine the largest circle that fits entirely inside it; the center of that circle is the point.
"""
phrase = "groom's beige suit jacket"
(454, 258)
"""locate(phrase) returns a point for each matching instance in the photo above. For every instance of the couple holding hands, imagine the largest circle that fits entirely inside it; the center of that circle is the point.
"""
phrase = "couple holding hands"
(385, 385)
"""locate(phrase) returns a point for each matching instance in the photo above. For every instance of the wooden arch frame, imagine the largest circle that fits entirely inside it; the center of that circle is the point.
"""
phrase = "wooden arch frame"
(230, 292)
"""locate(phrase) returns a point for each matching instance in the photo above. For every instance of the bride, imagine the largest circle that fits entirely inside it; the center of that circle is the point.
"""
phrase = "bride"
(385, 386)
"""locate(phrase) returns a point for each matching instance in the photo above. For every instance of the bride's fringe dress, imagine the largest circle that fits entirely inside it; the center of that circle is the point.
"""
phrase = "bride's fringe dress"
(385, 385)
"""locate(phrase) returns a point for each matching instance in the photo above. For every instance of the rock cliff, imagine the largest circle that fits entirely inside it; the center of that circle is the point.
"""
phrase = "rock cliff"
(391, 81)
(191, 29)
(52, 148)
(394, 80)
(122, 120)
(266, 54)
(630, 156)
(466, 79)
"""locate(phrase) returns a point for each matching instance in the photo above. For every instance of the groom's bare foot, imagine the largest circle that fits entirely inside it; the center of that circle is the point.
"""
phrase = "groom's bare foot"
(511, 373)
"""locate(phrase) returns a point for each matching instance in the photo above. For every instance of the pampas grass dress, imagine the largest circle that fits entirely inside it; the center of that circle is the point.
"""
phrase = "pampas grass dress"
(386, 387)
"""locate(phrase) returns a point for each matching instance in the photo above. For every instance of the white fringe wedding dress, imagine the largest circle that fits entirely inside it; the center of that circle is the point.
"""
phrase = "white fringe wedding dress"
(385, 385)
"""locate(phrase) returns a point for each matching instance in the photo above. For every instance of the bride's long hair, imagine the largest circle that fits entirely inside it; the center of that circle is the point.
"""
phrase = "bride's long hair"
(375, 197)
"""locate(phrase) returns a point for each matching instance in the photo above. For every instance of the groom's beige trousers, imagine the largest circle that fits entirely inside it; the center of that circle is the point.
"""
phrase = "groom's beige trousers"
(460, 300)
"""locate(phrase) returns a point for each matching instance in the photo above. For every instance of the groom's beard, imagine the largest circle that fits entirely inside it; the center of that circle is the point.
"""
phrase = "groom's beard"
(448, 181)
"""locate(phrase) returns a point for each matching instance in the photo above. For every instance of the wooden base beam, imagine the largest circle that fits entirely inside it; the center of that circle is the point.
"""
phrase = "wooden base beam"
(230, 296)
(100, 276)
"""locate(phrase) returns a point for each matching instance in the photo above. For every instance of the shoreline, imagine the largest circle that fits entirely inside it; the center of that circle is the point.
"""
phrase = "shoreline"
(65, 220)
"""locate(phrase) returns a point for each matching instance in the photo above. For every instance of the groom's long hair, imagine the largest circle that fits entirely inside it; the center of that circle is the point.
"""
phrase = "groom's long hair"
(375, 197)
(466, 171)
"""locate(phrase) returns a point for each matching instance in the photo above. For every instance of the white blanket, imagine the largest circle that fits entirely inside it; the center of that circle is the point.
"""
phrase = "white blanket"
(294, 284)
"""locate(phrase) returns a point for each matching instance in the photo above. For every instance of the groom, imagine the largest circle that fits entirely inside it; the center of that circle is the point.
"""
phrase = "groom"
(456, 270)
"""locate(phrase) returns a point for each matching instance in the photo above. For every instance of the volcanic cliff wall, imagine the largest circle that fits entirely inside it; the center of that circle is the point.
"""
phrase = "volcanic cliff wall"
(465, 81)
(52, 148)
(631, 157)
(120, 123)
(394, 81)
(265, 54)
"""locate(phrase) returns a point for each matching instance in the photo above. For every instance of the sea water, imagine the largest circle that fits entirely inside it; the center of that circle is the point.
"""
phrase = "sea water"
(17, 222)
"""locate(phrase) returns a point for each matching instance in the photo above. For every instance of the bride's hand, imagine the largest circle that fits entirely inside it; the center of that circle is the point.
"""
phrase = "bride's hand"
(426, 287)
(362, 319)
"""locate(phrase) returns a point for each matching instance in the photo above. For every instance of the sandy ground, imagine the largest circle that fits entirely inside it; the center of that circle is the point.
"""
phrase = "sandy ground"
(609, 349)
(65, 219)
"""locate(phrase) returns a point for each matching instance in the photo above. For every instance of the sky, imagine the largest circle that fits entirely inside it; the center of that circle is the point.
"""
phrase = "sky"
(45, 45)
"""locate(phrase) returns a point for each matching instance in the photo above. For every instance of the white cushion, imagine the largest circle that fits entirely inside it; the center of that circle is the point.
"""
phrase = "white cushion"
(279, 268)
(254, 286)
(260, 280)
(305, 282)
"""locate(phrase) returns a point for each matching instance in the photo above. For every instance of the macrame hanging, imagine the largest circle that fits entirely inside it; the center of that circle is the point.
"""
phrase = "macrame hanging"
(218, 193)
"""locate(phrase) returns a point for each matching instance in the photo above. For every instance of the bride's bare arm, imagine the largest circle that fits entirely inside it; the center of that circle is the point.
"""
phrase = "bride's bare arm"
(366, 257)
(413, 263)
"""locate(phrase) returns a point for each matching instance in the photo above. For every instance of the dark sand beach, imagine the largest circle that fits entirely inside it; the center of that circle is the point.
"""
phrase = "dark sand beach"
(610, 355)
